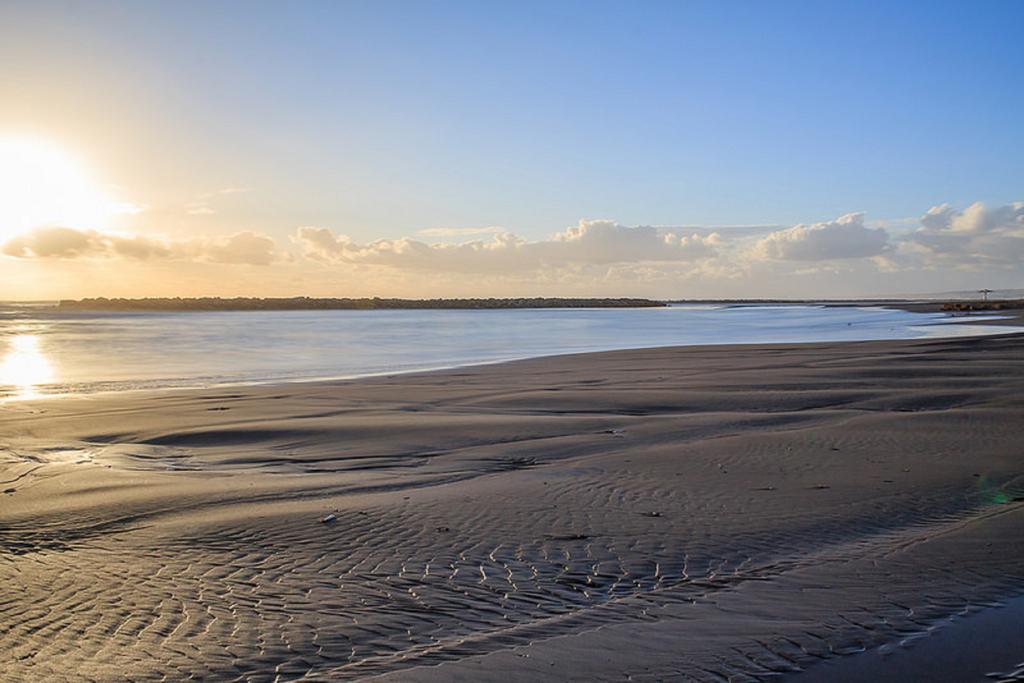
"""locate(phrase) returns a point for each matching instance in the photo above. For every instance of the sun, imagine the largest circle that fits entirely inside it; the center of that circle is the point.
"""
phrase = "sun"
(42, 184)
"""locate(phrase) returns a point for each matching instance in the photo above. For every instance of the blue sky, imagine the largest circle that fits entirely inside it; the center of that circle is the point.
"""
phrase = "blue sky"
(380, 119)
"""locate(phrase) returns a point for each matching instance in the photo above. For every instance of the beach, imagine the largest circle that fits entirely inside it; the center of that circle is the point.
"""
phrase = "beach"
(706, 513)
(511, 343)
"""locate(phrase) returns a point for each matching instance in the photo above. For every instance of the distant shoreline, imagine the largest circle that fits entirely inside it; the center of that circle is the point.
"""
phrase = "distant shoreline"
(214, 304)
(346, 304)
(199, 304)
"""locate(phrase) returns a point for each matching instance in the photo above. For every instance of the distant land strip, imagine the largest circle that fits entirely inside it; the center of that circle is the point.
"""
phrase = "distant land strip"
(346, 304)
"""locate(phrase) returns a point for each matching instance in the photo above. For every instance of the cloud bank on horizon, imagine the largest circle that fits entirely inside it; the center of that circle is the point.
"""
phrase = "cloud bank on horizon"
(597, 242)
(594, 255)
(59, 242)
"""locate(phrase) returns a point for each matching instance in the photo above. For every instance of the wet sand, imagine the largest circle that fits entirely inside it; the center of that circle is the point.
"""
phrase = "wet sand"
(979, 644)
(703, 513)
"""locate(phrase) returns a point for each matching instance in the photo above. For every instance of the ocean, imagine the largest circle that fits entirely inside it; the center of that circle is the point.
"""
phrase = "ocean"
(44, 352)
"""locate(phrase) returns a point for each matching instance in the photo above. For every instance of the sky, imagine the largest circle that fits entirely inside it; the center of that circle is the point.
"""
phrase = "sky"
(675, 150)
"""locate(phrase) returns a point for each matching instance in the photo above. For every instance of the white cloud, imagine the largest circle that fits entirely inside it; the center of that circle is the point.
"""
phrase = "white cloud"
(57, 242)
(972, 238)
(589, 242)
(842, 257)
(456, 232)
(843, 238)
(605, 241)
(242, 247)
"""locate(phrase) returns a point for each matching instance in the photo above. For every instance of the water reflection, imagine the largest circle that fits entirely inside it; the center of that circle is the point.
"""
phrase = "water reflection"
(24, 367)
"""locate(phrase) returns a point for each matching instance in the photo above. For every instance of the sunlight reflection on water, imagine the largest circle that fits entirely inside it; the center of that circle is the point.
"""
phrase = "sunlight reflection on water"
(25, 366)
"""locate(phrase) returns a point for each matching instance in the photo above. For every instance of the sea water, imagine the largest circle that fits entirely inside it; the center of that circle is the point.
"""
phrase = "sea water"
(44, 351)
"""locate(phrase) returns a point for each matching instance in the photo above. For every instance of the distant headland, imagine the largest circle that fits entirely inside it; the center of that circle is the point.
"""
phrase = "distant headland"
(345, 304)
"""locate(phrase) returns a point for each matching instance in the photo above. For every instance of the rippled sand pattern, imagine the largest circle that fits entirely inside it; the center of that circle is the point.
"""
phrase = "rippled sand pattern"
(695, 514)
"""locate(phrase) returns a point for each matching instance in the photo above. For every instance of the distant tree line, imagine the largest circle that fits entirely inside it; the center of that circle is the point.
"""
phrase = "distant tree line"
(303, 303)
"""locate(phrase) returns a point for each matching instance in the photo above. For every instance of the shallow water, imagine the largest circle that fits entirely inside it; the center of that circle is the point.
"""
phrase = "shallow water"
(986, 645)
(45, 352)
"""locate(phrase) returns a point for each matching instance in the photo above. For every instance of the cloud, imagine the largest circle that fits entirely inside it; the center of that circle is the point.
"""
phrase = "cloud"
(972, 238)
(201, 207)
(841, 257)
(503, 252)
(242, 247)
(843, 238)
(729, 230)
(608, 242)
(455, 232)
(137, 247)
(55, 242)
(589, 242)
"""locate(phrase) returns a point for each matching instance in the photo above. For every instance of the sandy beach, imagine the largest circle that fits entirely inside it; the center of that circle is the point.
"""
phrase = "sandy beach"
(430, 342)
(705, 513)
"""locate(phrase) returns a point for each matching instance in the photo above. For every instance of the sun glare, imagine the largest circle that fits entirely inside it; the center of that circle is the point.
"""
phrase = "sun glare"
(42, 184)
(25, 367)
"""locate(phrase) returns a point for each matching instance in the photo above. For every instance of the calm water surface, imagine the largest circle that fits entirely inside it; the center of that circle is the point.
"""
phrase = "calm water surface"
(44, 352)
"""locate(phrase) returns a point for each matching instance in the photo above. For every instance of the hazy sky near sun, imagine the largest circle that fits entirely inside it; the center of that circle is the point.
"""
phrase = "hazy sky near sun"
(418, 149)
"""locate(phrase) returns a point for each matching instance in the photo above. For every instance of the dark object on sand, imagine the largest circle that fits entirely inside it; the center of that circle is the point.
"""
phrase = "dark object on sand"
(568, 537)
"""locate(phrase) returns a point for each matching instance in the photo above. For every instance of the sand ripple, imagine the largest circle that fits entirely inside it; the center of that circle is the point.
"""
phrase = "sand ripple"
(674, 519)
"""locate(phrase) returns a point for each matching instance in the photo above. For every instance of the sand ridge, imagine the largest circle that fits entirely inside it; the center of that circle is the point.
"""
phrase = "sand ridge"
(702, 513)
